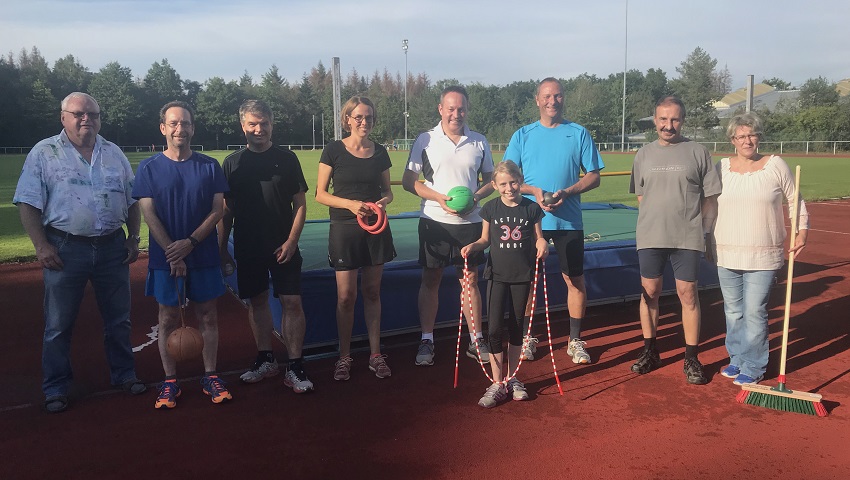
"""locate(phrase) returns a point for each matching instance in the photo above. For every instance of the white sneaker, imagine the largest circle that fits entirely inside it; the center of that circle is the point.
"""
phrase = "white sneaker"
(517, 389)
(529, 347)
(494, 395)
(261, 371)
(298, 385)
(576, 350)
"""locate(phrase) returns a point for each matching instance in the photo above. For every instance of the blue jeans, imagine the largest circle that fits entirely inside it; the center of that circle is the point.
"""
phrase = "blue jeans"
(745, 295)
(100, 263)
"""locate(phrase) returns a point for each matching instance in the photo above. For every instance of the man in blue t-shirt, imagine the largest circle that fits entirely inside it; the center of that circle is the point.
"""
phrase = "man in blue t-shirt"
(181, 194)
(552, 153)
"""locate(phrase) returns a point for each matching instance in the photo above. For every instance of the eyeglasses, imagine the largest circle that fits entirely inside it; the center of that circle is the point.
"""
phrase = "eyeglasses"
(750, 137)
(80, 115)
(181, 124)
(360, 119)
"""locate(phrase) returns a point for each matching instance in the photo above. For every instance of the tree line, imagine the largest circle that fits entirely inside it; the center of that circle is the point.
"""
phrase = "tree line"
(303, 110)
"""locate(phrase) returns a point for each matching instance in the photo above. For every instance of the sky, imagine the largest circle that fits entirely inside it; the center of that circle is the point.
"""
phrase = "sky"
(492, 42)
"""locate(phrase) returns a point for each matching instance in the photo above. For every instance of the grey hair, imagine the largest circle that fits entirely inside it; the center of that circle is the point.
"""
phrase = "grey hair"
(748, 119)
(258, 108)
(74, 95)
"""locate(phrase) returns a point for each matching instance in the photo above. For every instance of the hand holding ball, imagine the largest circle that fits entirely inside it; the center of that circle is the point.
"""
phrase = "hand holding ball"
(461, 200)
(549, 198)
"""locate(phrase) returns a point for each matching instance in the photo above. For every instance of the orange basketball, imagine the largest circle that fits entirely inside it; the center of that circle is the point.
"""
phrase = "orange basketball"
(184, 343)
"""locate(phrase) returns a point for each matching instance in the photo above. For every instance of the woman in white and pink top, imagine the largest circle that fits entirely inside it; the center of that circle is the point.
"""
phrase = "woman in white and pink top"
(749, 235)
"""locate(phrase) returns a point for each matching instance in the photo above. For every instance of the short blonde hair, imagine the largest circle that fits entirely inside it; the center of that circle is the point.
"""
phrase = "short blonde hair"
(748, 119)
(508, 167)
(349, 107)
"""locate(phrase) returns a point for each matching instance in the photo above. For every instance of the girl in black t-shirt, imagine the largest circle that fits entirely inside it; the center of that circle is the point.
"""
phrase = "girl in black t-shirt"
(360, 171)
(511, 228)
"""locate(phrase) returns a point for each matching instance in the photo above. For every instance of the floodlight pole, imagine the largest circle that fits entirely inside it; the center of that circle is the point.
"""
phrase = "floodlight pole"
(404, 47)
(625, 66)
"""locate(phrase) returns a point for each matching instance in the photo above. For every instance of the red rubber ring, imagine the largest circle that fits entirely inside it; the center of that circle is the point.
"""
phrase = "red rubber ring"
(380, 224)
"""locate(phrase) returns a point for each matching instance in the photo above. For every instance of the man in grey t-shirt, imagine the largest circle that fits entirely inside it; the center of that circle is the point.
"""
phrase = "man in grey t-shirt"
(677, 188)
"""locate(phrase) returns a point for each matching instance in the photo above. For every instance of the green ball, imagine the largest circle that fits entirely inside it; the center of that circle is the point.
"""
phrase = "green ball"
(461, 201)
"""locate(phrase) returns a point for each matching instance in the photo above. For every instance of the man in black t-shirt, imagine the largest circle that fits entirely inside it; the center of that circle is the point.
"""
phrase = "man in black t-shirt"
(266, 206)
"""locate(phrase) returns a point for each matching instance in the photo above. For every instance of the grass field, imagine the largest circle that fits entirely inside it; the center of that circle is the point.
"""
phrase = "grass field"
(824, 177)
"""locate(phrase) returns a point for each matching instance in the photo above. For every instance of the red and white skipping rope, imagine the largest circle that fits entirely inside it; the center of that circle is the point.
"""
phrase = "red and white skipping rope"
(380, 224)
(467, 288)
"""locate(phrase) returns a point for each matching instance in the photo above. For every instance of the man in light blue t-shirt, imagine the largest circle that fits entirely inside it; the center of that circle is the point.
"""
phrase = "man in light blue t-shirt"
(552, 153)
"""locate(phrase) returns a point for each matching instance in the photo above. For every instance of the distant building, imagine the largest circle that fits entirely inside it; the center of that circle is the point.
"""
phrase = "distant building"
(764, 97)
(843, 87)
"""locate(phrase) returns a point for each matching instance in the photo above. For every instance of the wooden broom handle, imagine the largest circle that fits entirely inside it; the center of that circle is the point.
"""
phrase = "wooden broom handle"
(795, 215)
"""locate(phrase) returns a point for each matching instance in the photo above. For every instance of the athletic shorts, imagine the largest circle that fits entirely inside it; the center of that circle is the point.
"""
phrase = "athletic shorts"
(569, 245)
(685, 263)
(440, 243)
(252, 276)
(350, 247)
(199, 285)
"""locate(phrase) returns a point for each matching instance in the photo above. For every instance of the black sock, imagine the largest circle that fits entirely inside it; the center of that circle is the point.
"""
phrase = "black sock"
(265, 356)
(575, 328)
(170, 377)
(296, 364)
(649, 343)
(691, 351)
(210, 374)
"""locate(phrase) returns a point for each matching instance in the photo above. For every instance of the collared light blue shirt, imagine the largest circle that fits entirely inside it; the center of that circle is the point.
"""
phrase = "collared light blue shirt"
(78, 197)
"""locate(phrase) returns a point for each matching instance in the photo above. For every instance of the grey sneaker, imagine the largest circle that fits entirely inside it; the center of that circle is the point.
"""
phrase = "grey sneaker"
(517, 389)
(342, 368)
(261, 371)
(576, 350)
(529, 347)
(425, 354)
(378, 364)
(494, 395)
(299, 383)
(482, 347)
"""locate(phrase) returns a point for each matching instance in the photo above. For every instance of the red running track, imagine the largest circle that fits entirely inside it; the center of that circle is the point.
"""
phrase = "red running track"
(610, 423)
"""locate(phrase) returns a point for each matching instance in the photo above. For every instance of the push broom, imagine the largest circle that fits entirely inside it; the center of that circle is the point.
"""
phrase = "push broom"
(780, 397)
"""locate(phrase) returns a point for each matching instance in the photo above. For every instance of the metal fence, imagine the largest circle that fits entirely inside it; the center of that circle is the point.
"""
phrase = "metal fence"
(825, 147)
(124, 148)
(833, 147)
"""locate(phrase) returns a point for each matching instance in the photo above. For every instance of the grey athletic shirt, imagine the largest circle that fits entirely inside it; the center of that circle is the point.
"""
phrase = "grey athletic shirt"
(673, 181)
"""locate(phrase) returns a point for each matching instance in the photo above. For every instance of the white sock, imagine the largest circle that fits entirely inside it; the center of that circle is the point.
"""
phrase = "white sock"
(428, 336)
(476, 337)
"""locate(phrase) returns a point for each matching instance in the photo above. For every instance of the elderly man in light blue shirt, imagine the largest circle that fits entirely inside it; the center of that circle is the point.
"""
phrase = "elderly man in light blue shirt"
(74, 197)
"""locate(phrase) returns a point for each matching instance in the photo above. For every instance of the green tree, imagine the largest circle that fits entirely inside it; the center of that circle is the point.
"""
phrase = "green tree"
(777, 83)
(33, 66)
(817, 92)
(697, 87)
(69, 75)
(10, 103)
(114, 90)
(163, 83)
(218, 106)
(39, 113)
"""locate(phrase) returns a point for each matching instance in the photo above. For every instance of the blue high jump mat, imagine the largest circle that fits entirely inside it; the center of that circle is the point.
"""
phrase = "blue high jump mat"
(610, 268)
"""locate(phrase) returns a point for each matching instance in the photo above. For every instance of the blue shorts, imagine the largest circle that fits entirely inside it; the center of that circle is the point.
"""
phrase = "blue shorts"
(204, 284)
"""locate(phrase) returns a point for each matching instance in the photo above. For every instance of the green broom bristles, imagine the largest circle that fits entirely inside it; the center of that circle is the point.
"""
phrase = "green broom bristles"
(783, 404)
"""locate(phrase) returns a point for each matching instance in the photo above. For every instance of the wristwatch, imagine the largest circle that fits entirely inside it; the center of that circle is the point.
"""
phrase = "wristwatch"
(137, 238)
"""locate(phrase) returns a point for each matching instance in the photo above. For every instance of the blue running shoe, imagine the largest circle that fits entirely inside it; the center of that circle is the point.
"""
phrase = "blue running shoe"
(743, 379)
(730, 371)
(216, 389)
(168, 393)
